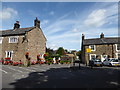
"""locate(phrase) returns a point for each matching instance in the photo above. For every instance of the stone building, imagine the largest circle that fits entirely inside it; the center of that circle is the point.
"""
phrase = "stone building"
(16, 42)
(101, 48)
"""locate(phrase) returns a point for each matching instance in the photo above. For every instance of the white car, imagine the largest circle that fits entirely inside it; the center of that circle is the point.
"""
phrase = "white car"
(95, 62)
(111, 62)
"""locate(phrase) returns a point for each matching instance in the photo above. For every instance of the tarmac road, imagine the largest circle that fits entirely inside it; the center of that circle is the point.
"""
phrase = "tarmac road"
(60, 76)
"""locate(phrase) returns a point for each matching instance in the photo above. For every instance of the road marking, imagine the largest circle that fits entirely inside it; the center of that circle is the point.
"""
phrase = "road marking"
(3, 71)
(15, 70)
(27, 69)
(33, 68)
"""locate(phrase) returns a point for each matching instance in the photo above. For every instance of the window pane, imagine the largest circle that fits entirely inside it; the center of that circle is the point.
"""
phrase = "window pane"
(93, 56)
(92, 47)
(119, 56)
(118, 46)
(13, 40)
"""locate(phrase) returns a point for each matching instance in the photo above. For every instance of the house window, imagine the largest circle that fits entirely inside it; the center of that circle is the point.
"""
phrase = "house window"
(118, 56)
(1, 39)
(117, 47)
(92, 47)
(92, 56)
(13, 39)
(9, 54)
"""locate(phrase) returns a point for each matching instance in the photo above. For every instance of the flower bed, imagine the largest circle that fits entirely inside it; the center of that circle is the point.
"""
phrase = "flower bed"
(15, 63)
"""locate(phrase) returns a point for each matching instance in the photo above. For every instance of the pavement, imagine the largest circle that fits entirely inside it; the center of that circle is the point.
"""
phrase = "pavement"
(60, 76)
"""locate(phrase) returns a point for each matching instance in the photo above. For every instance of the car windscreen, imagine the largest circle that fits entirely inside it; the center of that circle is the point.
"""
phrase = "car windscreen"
(97, 60)
(114, 60)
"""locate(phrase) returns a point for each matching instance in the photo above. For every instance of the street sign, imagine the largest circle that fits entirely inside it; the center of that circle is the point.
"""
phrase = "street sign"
(88, 50)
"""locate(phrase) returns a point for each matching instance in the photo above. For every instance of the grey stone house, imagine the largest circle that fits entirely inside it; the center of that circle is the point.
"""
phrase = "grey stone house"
(14, 43)
(103, 47)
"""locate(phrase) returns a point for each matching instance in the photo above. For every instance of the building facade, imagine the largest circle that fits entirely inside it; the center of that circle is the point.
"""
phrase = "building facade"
(15, 43)
(101, 48)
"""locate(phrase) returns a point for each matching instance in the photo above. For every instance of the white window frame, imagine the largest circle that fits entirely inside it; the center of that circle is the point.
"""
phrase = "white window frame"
(9, 54)
(1, 39)
(116, 47)
(117, 55)
(104, 58)
(91, 55)
(13, 37)
(94, 47)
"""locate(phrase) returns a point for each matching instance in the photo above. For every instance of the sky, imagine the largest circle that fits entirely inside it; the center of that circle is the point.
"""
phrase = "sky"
(63, 23)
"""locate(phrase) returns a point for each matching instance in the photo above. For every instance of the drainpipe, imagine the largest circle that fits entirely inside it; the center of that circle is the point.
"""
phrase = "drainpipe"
(112, 51)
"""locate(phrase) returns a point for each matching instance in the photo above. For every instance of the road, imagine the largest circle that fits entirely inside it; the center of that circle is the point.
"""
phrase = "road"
(60, 76)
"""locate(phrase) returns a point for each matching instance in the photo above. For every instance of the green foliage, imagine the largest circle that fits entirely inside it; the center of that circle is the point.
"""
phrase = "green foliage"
(60, 51)
(79, 54)
(64, 61)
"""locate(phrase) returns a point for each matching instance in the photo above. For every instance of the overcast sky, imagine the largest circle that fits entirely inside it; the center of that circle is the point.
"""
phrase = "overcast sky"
(63, 23)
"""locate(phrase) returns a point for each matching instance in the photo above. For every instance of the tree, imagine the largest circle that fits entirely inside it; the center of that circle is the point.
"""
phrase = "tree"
(79, 54)
(60, 51)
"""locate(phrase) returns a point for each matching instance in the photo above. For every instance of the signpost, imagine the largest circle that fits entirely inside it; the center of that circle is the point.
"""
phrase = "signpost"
(88, 51)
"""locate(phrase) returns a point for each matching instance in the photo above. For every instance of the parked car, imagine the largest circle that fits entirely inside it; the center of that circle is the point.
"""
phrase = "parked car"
(111, 62)
(95, 62)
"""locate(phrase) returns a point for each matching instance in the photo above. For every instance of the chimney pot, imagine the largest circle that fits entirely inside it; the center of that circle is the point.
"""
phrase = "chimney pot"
(102, 35)
(37, 22)
(16, 25)
(83, 36)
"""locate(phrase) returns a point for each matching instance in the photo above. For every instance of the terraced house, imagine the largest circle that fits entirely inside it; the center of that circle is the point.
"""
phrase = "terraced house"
(17, 41)
(101, 48)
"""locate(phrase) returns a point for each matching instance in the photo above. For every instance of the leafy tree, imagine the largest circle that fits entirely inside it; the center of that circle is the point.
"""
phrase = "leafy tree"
(79, 54)
(60, 51)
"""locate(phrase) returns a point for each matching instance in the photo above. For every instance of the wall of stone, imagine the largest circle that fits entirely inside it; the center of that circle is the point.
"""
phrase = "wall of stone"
(36, 43)
(100, 50)
(17, 48)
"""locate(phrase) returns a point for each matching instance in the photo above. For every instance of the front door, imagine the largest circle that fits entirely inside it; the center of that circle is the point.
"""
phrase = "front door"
(103, 57)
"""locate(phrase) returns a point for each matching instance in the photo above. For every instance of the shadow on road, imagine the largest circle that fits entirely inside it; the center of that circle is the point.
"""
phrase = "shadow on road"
(72, 77)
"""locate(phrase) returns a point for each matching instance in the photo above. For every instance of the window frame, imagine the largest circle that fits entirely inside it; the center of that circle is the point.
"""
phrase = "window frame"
(1, 40)
(117, 55)
(116, 47)
(91, 55)
(92, 49)
(13, 37)
(9, 54)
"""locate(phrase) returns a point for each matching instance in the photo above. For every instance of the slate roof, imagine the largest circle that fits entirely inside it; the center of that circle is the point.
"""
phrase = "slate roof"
(12, 32)
(99, 41)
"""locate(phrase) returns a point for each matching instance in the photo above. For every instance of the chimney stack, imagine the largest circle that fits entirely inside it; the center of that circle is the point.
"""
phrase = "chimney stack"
(83, 36)
(102, 35)
(37, 22)
(16, 25)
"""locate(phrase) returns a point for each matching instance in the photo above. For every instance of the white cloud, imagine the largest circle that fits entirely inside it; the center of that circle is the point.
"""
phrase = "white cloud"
(44, 22)
(66, 32)
(8, 13)
(96, 18)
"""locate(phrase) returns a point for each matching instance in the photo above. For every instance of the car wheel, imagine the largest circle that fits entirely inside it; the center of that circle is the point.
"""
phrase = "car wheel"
(101, 65)
(110, 64)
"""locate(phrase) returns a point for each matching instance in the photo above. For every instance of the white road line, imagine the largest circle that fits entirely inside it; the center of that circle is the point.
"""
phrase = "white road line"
(33, 68)
(27, 69)
(3, 71)
(15, 70)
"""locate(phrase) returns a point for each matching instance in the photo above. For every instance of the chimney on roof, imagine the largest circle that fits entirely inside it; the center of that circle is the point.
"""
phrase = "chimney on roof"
(16, 25)
(102, 35)
(37, 22)
(83, 36)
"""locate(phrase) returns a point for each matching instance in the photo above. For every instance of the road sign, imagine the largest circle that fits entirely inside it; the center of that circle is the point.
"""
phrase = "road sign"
(88, 50)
